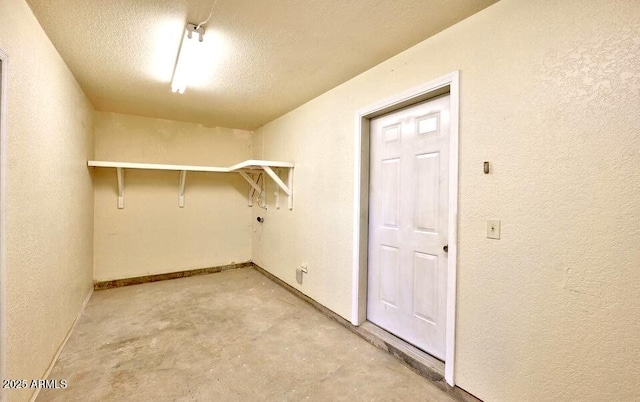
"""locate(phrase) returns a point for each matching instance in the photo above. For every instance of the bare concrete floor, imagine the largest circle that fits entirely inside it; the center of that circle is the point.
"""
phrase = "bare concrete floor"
(228, 336)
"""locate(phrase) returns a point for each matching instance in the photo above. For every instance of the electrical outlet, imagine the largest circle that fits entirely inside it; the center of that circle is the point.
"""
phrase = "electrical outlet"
(300, 271)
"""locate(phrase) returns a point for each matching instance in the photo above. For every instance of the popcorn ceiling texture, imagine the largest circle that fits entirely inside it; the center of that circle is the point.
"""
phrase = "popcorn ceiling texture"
(550, 94)
(49, 196)
(152, 234)
(267, 56)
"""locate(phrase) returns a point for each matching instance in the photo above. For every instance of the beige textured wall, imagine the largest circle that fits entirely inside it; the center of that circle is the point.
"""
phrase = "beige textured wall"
(49, 196)
(550, 94)
(152, 234)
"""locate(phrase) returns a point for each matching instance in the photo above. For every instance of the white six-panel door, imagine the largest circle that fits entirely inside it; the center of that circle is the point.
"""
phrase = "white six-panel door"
(408, 220)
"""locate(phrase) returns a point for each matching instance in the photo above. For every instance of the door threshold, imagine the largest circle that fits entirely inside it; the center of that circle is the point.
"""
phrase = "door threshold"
(419, 360)
(423, 363)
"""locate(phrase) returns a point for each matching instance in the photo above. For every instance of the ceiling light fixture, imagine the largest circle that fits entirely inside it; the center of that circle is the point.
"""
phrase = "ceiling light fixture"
(187, 59)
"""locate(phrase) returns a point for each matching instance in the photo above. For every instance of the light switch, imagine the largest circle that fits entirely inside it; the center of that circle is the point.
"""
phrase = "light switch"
(493, 229)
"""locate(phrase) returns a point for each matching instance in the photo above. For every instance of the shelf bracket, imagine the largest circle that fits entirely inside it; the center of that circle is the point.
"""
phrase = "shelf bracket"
(120, 173)
(280, 183)
(250, 195)
(290, 184)
(183, 182)
(254, 187)
(250, 180)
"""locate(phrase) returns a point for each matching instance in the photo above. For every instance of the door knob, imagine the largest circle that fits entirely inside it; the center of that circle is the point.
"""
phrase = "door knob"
(445, 248)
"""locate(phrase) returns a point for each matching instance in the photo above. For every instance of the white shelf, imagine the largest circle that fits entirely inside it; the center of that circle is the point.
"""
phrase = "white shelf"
(253, 164)
(153, 166)
(246, 169)
(250, 164)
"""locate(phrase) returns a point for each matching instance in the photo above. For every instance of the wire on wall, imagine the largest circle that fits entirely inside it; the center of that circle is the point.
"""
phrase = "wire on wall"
(262, 196)
(210, 14)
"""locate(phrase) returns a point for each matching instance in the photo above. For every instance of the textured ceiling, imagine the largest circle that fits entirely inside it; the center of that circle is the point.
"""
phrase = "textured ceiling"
(263, 58)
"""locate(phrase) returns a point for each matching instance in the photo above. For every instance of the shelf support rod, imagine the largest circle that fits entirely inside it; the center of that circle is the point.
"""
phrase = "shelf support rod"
(251, 182)
(183, 182)
(251, 192)
(275, 178)
(120, 174)
(277, 194)
(290, 184)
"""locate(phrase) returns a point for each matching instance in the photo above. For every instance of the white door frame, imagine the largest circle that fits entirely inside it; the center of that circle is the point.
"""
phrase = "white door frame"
(3, 195)
(449, 83)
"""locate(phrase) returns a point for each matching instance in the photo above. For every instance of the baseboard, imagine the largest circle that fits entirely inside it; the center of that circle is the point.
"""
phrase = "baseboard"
(62, 345)
(418, 361)
(116, 283)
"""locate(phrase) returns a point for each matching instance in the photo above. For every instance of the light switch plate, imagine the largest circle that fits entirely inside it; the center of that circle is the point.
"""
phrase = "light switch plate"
(493, 229)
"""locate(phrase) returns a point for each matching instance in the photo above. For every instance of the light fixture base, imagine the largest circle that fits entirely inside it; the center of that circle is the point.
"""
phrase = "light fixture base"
(193, 28)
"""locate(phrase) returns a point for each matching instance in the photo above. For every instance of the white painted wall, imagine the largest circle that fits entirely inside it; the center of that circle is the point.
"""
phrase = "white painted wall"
(550, 94)
(152, 234)
(49, 196)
